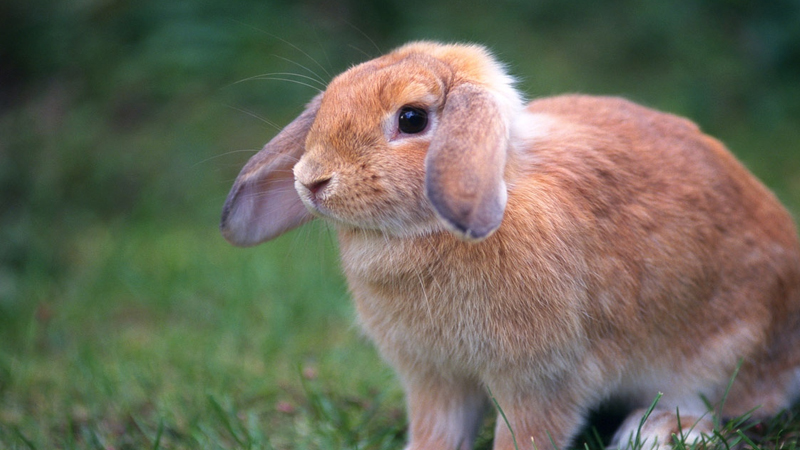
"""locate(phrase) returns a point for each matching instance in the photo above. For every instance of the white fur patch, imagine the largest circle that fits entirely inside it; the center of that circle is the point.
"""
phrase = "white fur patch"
(530, 127)
(526, 130)
(662, 428)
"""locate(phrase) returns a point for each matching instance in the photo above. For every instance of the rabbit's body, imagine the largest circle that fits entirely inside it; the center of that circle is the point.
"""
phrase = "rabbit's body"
(635, 254)
(613, 285)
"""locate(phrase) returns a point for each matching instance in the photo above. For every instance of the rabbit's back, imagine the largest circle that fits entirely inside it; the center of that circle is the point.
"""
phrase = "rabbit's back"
(692, 260)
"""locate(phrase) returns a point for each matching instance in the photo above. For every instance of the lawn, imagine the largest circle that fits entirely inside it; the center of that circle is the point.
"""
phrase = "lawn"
(127, 322)
(170, 336)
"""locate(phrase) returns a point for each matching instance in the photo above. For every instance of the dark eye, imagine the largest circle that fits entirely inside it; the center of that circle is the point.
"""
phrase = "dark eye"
(412, 120)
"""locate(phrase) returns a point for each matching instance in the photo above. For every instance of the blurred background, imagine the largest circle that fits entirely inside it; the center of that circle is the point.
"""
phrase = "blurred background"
(125, 319)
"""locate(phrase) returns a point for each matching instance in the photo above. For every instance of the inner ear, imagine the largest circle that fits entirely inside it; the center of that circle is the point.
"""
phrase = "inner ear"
(263, 203)
(466, 161)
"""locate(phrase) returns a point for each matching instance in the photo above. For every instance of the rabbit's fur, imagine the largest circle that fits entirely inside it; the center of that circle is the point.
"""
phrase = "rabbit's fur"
(559, 254)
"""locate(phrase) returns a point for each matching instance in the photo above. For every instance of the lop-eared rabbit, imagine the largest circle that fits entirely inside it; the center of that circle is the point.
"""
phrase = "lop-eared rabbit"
(556, 254)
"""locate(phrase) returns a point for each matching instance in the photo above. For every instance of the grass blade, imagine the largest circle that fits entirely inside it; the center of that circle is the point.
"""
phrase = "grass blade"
(718, 415)
(159, 432)
(226, 421)
(24, 439)
(637, 440)
(505, 419)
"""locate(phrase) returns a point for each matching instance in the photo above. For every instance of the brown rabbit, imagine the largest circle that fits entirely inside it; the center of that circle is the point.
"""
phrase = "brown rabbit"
(558, 254)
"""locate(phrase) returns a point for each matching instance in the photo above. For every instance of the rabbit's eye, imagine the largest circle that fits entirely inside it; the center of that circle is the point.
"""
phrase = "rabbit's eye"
(412, 120)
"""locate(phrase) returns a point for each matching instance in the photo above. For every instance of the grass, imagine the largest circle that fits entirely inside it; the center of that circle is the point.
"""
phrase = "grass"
(150, 344)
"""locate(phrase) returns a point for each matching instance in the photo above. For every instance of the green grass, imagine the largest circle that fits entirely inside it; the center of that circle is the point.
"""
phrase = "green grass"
(173, 330)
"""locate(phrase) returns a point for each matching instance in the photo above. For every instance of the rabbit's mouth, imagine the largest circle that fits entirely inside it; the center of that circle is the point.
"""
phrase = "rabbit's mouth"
(387, 214)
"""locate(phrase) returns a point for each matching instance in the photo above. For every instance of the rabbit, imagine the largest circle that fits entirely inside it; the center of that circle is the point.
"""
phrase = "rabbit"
(545, 257)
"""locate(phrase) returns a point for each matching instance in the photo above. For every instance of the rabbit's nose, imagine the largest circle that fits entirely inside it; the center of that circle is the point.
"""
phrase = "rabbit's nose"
(317, 185)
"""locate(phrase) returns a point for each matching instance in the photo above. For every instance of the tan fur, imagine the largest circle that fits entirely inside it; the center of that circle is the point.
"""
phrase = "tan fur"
(635, 254)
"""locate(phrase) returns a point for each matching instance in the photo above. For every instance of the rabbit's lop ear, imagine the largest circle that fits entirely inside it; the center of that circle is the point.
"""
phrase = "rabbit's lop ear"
(466, 160)
(263, 203)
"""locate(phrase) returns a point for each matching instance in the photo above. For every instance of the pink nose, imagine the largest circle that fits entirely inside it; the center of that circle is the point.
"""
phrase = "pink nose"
(317, 185)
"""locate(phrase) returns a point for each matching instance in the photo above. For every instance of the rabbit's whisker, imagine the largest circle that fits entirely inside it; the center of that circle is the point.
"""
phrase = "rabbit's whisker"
(276, 75)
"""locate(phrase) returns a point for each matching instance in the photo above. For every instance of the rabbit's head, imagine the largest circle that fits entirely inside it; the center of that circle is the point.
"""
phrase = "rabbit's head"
(405, 143)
